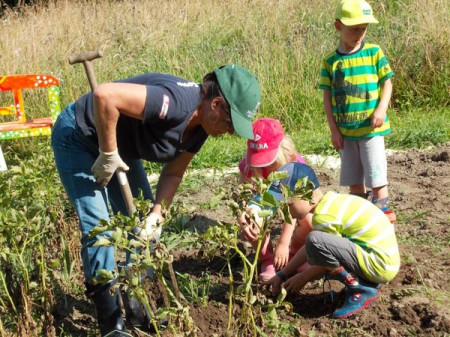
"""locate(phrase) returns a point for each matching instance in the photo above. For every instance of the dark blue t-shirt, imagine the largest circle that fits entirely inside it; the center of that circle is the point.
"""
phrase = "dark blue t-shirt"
(170, 104)
(295, 171)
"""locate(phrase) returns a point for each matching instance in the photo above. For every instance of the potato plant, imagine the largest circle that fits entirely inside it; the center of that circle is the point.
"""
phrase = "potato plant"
(31, 233)
(256, 310)
(150, 260)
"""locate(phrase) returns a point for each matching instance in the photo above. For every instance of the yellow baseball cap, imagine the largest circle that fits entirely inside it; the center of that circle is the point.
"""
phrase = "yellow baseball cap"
(354, 12)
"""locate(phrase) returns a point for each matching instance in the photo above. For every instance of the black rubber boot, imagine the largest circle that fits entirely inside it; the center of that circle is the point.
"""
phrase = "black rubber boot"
(134, 312)
(109, 311)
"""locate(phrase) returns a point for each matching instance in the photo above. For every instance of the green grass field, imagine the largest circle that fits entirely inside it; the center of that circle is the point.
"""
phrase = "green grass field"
(282, 42)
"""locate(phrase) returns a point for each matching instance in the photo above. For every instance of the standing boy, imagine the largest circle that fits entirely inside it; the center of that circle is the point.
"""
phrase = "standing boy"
(357, 88)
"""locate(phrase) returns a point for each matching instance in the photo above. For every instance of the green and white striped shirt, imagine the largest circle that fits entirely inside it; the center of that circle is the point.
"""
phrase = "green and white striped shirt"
(354, 80)
(365, 225)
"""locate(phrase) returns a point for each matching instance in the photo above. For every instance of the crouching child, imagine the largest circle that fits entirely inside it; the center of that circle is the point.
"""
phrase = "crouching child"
(352, 241)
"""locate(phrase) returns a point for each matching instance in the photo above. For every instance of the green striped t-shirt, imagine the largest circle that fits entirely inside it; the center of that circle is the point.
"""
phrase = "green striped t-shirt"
(365, 225)
(354, 80)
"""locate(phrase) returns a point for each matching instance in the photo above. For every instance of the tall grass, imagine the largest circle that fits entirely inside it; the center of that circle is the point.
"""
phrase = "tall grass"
(281, 41)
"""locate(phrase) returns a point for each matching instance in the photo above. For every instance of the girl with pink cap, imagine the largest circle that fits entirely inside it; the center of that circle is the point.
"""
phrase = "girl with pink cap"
(269, 151)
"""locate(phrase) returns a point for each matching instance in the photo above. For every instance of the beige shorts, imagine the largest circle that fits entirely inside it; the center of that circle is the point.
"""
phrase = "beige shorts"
(363, 162)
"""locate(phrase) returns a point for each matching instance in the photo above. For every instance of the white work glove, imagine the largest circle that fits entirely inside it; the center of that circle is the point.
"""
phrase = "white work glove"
(149, 229)
(106, 164)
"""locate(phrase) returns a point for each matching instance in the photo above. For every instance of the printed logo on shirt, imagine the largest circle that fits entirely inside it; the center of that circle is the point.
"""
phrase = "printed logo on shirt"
(164, 107)
(187, 84)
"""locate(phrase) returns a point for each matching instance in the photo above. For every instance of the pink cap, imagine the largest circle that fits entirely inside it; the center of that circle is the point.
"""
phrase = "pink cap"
(262, 151)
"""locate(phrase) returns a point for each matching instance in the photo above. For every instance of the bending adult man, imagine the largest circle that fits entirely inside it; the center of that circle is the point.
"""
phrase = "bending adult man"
(155, 117)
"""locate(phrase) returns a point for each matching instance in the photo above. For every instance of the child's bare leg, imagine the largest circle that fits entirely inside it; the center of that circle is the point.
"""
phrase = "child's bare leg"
(380, 198)
(380, 192)
(359, 190)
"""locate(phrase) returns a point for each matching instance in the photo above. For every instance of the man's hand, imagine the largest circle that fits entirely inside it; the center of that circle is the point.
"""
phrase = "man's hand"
(106, 164)
(150, 230)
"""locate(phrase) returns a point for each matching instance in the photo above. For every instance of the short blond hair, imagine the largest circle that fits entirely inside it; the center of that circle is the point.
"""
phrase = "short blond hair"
(286, 152)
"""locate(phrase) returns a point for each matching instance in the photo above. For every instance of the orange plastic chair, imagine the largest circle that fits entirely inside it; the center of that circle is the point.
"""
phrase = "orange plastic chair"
(20, 126)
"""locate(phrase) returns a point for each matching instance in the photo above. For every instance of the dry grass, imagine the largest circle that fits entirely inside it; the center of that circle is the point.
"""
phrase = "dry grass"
(281, 41)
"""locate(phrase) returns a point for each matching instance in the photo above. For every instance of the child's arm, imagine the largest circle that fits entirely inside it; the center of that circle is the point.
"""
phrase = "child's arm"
(379, 115)
(336, 136)
(281, 255)
(291, 268)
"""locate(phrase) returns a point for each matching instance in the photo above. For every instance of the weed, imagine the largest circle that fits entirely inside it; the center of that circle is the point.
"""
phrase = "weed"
(195, 290)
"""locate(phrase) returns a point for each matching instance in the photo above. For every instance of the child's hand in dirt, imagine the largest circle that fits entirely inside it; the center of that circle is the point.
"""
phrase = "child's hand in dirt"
(281, 256)
(275, 284)
(250, 232)
(294, 284)
(249, 222)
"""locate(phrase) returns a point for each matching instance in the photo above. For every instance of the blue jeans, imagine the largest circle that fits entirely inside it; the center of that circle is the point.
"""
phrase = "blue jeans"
(75, 154)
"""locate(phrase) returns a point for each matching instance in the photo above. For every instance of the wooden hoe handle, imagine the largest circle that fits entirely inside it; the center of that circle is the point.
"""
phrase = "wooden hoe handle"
(86, 58)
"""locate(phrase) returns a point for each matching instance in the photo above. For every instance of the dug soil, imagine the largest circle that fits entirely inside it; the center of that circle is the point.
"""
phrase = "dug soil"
(415, 303)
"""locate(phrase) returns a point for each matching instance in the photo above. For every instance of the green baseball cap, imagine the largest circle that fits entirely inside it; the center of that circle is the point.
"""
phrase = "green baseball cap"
(241, 90)
(355, 12)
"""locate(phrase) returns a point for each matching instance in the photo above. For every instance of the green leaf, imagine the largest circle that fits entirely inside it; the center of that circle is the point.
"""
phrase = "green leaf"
(214, 202)
(103, 276)
(97, 230)
(277, 175)
(273, 316)
(267, 199)
(265, 213)
(281, 296)
(284, 208)
(102, 242)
